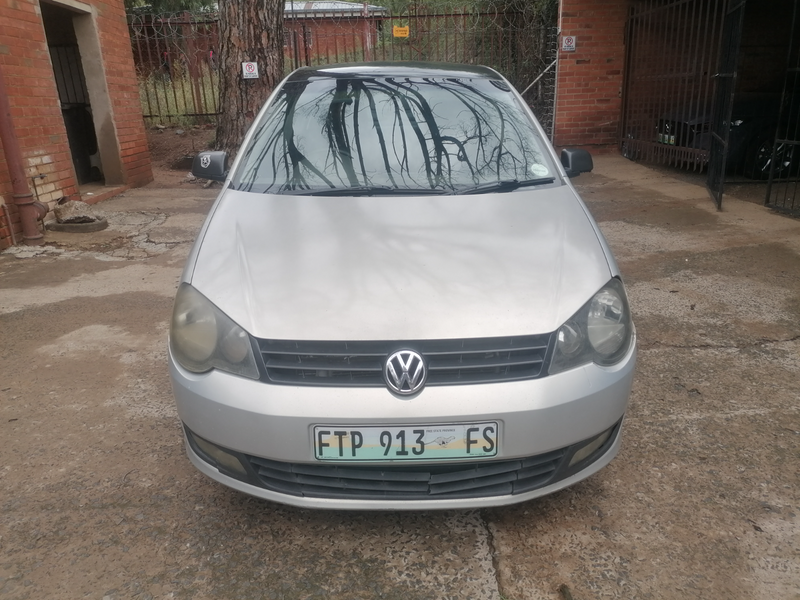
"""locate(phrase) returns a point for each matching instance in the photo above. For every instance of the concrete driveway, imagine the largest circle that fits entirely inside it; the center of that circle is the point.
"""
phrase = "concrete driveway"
(99, 501)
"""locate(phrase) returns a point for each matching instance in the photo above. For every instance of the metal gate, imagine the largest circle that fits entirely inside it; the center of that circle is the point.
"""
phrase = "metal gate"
(672, 53)
(723, 99)
(784, 177)
(176, 66)
(175, 55)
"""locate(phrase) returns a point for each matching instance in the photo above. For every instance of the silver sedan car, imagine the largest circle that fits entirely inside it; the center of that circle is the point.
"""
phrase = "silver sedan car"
(399, 301)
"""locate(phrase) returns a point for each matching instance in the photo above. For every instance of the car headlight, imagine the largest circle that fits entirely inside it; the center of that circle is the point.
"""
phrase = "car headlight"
(599, 332)
(202, 337)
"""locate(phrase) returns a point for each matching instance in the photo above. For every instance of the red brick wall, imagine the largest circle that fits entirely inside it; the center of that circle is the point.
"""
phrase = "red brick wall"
(36, 111)
(589, 88)
(331, 39)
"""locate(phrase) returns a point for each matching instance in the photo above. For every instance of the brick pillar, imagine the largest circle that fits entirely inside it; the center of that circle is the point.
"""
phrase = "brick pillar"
(589, 86)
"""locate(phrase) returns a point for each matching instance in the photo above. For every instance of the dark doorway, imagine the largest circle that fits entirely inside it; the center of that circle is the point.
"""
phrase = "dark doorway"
(683, 61)
(72, 92)
(784, 154)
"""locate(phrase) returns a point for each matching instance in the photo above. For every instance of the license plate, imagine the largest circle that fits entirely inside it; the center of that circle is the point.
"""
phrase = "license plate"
(412, 442)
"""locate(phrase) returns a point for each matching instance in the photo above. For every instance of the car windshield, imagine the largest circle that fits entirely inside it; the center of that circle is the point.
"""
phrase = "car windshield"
(385, 135)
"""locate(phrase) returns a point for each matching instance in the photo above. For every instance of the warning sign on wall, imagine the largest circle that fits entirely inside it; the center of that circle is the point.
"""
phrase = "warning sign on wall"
(400, 31)
(568, 43)
(249, 70)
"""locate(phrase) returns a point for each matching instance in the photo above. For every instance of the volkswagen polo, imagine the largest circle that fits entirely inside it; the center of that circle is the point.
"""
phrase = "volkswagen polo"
(399, 301)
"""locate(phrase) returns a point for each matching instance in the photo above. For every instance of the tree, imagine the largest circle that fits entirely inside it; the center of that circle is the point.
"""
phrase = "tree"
(249, 31)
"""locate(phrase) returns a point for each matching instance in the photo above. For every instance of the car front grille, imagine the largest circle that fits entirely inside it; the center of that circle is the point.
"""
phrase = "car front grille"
(449, 362)
(407, 482)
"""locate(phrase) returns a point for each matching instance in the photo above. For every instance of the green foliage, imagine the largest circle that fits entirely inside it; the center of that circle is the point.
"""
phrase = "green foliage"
(546, 11)
(402, 7)
(160, 7)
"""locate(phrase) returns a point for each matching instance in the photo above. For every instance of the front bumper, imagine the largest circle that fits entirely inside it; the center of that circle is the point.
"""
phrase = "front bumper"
(537, 417)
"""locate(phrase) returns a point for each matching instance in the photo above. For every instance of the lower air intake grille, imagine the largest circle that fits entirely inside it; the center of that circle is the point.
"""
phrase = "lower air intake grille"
(450, 362)
(418, 482)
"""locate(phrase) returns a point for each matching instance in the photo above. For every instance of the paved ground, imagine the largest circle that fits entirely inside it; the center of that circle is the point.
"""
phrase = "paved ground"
(98, 500)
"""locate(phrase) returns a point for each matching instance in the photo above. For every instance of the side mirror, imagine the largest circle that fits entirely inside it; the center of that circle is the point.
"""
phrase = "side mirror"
(211, 165)
(575, 161)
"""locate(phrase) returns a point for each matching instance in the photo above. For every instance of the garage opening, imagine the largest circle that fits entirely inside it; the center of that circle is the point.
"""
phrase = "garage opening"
(784, 181)
(686, 61)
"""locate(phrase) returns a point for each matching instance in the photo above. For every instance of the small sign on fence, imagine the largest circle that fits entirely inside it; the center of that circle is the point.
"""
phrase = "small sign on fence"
(400, 31)
(249, 70)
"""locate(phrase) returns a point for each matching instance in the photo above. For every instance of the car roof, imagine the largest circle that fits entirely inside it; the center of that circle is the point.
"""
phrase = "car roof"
(394, 69)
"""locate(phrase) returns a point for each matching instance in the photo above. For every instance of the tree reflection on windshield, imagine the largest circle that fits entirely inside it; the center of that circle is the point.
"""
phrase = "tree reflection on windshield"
(388, 132)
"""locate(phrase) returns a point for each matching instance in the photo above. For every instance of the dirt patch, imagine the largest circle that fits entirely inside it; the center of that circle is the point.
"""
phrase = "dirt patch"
(169, 145)
(172, 149)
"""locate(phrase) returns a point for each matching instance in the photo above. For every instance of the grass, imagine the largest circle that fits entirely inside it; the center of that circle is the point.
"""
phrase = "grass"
(178, 98)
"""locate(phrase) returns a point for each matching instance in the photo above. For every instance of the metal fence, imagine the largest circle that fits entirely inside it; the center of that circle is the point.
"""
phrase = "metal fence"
(175, 59)
(723, 101)
(175, 55)
(673, 52)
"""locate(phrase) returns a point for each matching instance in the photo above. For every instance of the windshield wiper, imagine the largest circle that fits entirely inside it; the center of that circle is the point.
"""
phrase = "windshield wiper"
(373, 190)
(502, 186)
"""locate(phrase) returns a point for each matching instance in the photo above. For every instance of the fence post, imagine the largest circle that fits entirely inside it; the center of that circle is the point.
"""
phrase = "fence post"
(367, 37)
(192, 60)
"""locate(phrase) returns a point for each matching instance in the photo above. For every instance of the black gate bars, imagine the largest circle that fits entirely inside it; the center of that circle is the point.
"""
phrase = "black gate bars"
(784, 179)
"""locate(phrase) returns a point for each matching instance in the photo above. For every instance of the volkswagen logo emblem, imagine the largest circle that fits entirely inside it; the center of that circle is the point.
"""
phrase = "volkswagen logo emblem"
(405, 372)
(205, 160)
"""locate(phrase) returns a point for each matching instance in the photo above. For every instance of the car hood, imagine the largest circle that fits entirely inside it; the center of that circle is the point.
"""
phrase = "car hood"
(394, 268)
